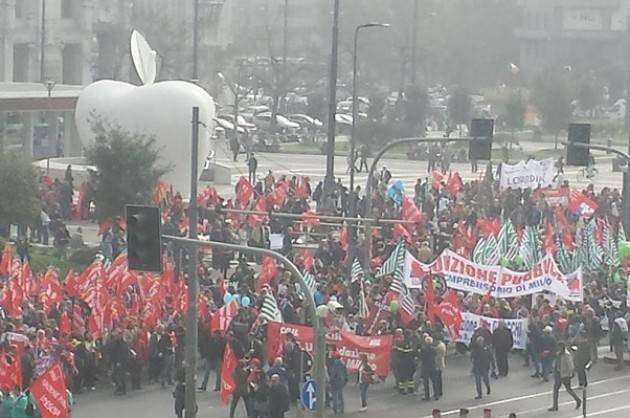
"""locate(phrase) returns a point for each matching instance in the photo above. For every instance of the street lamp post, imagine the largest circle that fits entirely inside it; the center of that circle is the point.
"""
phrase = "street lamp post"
(42, 51)
(195, 63)
(414, 42)
(355, 78)
(332, 101)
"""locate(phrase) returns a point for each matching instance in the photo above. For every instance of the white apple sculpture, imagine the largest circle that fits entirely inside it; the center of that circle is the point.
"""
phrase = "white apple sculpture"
(162, 109)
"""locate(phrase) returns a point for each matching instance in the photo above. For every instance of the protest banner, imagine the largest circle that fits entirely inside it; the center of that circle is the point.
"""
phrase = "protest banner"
(529, 174)
(497, 281)
(471, 321)
(49, 392)
(348, 345)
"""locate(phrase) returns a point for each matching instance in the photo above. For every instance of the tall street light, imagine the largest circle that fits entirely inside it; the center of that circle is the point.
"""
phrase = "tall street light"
(332, 101)
(42, 40)
(195, 63)
(414, 42)
(355, 106)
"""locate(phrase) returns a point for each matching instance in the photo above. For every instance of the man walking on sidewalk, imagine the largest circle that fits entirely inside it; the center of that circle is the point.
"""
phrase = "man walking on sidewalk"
(563, 371)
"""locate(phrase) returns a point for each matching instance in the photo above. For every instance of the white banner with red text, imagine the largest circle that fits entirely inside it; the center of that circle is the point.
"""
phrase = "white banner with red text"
(497, 281)
(348, 345)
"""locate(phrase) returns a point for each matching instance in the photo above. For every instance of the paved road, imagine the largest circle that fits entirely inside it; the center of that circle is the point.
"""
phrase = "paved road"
(608, 394)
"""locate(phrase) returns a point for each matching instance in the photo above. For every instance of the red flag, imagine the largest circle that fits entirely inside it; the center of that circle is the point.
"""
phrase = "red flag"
(49, 392)
(450, 315)
(409, 210)
(223, 316)
(436, 178)
(207, 197)
(104, 225)
(399, 231)
(267, 273)
(227, 380)
(549, 244)
(309, 260)
(95, 325)
(71, 284)
(233, 216)
(64, 324)
(244, 191)
(51, 292)
(256, 220)
(310, 218)
(10, 371)
(279, 193)
(343, 237)
(454, 184)
(581, 204)
(301, 188)
(5, 261)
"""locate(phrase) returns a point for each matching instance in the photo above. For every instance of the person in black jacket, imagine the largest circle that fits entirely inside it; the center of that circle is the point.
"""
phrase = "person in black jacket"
(212, 350)
(278, 398)
(502, 340)
(120, 357)
(481, 358)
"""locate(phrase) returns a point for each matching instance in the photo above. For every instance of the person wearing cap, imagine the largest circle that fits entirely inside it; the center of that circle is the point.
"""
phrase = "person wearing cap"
(278, 397)
(428, 369)
(337, 379)
(547, 352)
(563, 371)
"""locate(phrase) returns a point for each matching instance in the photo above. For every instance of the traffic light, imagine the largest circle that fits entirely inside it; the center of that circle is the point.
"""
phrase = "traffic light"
(481, 132)
(144, 249)
(579, 133)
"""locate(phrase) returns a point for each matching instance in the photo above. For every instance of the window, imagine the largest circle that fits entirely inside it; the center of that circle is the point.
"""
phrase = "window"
(20, 63)
(68, 9)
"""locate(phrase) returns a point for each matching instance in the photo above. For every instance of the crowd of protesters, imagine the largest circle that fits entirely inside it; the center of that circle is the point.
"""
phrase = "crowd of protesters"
(109, 321)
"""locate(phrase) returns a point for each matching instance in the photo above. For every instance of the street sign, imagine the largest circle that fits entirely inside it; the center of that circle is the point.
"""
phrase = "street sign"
(308, 395)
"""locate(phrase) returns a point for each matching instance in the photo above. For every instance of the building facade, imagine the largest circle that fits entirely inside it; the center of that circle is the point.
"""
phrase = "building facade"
(84, 40)
(576, 33)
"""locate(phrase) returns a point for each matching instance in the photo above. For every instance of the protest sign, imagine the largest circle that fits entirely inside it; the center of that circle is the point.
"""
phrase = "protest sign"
(463, 274)
(527, 175)
(49, 392)
(471, 321)
(348, 345)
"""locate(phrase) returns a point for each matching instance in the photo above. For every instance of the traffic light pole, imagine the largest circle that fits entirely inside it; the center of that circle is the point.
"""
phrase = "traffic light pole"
(626, 178)
(368, 185)
(319, 366)
(193, 282)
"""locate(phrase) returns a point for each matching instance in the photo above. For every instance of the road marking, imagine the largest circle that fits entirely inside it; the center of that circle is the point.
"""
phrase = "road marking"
(589, 398)
(524, 397)
(606, 411)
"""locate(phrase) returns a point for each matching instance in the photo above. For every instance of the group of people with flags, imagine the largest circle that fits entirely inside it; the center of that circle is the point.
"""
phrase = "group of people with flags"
(107, 318)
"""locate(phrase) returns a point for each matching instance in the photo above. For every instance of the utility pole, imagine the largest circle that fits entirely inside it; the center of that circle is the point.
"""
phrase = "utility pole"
(195, 71)
(332, 101)
(285, 51)
(193, 284)
(414, 41)
(355, 89)
(626, 174)
(42, 51)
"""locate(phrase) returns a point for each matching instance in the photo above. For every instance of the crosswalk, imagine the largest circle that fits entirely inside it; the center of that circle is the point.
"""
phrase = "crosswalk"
(407, 171)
